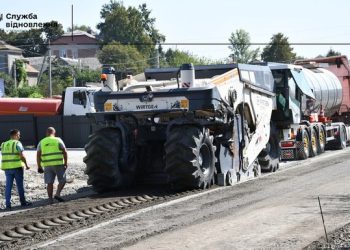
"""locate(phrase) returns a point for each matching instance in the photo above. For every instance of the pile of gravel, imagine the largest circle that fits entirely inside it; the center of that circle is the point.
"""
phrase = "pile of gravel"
(339, 239)
(35, 188)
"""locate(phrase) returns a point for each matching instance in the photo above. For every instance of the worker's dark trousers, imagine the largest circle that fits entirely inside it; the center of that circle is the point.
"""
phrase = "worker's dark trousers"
(16, 174)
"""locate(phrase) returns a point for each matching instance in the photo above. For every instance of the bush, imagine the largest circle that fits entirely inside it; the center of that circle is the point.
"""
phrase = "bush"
(9, 84)
(28, 91)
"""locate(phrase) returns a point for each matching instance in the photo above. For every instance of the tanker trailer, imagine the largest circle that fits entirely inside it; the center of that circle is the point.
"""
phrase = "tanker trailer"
(305, 99)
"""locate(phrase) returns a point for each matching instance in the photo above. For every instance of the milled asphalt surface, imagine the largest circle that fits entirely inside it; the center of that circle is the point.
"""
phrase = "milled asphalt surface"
(277, 211)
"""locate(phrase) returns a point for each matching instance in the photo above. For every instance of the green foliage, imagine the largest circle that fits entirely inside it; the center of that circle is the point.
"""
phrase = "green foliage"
(240, 47)
(24, 91)
(278, 50)
(122, 57)
(332, 52)
(85, 28)
(175, 58)
(36, 94)
(52, 32)
(29, 91)
(21, 72)
(85, 75)
(33, 42)
(129, 26)
(30, 41)
(9, 85)
(58, 84)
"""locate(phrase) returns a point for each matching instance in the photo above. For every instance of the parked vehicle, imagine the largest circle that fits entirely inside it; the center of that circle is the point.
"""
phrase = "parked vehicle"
(75, 101)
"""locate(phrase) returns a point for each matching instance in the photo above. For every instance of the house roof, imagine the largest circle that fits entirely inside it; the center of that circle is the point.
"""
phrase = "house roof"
(332, 59)
(89, 62)
(5, 46)
(79, 33)
(31, 69)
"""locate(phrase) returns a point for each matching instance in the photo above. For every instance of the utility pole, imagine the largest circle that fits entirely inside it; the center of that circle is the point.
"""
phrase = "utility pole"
(15, 73)
(50, 82)
(157, 55)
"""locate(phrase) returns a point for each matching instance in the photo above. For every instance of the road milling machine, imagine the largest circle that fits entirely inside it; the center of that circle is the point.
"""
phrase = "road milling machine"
(193, 129)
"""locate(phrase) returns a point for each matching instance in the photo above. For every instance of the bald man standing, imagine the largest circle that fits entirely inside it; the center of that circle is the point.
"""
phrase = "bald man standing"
(52, 161)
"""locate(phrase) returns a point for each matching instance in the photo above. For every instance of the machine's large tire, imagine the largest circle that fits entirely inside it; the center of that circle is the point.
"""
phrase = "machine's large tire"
(304, 149)
(313, 143)
(190, 158)
(102, 161)
(269, 156)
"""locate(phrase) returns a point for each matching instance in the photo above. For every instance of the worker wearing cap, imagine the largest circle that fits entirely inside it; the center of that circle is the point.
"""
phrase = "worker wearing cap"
(12, 162)
(52, 161)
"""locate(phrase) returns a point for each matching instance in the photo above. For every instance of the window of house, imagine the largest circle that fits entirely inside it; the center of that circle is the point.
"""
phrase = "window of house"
(63, 53)
(75, 54)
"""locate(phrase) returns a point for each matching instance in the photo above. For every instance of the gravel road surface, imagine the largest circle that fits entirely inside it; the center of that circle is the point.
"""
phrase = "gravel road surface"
(277, 211)
(34, 183)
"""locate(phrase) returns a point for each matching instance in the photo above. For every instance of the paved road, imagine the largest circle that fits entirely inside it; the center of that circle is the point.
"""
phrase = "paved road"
(278, 211)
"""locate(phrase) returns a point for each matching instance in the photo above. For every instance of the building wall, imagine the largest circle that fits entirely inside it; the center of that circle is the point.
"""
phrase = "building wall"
(3, 62)
(75, 50)
(80, 47)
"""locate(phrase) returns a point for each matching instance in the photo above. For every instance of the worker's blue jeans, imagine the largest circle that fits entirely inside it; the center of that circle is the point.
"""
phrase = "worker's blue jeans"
(12, 174)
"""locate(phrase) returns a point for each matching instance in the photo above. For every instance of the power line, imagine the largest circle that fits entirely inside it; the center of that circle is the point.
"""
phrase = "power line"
(200, 44)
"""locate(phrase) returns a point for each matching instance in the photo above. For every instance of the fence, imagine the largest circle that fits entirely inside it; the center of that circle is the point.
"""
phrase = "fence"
(74, 130)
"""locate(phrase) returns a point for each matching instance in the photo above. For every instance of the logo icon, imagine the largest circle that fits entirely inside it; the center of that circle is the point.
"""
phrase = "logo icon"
(146, 98)
(1, 17)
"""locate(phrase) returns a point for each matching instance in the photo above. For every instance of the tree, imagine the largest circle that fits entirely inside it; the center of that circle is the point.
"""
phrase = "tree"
(21, 72)
(129, 26)
(175, 58)
(278, 50)
(332, 52)
(122, 57)
(85, 28)
(33, 42)
(30, 41)
(23, 91)
(52, 31)
(9, 85)
(84, 76)
(240, 46)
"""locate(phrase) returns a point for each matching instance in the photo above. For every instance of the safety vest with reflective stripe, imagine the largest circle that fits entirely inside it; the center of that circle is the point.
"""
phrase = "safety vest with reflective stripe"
(11, 158)
(51, 154)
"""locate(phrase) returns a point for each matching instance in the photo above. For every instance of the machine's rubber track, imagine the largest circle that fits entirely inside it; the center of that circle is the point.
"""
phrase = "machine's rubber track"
(190, 158)
(269, 156)
(102, 161)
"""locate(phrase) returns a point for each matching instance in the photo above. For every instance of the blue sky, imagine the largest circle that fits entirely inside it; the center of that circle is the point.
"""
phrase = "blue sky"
(303, 21)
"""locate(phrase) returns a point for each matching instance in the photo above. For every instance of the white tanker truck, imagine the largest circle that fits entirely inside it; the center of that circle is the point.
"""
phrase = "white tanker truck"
(304, 118)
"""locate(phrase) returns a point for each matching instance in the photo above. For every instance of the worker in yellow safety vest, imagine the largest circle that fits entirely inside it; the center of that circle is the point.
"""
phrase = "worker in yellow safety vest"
(52, 161)
(12, 162)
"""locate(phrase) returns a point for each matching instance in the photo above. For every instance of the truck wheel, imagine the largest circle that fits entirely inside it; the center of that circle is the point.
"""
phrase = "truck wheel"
(342, 138)
(313, 143)
(321, 142)
(190, 158)
(304, 147)
(269, 156)
(102, 161)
